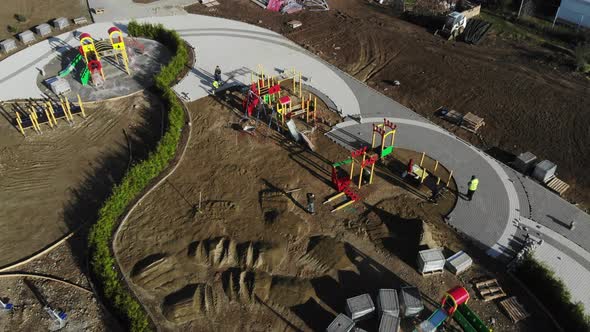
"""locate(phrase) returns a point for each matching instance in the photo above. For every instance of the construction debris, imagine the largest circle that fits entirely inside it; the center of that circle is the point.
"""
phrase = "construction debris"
(294, 24)
(475, 31)
(292, 6)
(514, 309)
(490, 290)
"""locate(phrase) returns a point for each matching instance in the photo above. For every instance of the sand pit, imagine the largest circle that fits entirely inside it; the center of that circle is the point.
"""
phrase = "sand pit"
(251, 257)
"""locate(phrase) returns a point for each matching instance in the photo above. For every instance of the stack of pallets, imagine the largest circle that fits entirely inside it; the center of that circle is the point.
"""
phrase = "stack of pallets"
(514, 309)
(558, 186)
(472, 122)
(490, 290)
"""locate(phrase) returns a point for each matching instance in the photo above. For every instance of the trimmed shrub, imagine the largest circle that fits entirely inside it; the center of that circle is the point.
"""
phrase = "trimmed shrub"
(553, 294)
(103, 263)
(20, 18)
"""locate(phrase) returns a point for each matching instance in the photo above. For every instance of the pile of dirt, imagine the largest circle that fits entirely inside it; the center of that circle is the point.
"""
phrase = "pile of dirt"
(252, 252)
(524, 92)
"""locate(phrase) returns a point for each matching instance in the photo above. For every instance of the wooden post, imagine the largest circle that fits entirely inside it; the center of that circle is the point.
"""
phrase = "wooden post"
(422, 159)
(423, 175)
(19, 122)
(449, 180)
(435, 166)
(351, 169)
(372, 171)
(393, 137)
(81, 106)
(438, 180)
(51, 112)
(48, 117)
(373, 140)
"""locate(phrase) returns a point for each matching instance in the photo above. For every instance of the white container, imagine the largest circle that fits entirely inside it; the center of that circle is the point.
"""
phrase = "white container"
(43, 29)
(389, 323)
(544, 171)
(388, 302)
(26, 36)
(8, 45)
(58, 85)
(431, 260)
(61, 23)
(341, 323)
(411, 301)
(459, 262)
(360, 307)
(524, 162)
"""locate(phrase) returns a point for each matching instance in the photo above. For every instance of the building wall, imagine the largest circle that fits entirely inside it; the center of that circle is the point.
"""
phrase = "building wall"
(575, 11)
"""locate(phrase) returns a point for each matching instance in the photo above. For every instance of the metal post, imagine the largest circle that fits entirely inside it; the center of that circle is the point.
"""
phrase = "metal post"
(519, 9)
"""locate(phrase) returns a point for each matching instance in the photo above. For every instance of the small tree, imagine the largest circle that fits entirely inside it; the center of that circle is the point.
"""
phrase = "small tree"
(19, 17)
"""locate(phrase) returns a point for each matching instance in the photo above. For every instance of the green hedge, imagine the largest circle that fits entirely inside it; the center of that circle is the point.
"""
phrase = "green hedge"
(103, 262)
(553, 294)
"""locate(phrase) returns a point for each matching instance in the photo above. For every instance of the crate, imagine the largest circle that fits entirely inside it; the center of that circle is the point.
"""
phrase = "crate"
(388, 302)
(61, 23)
(43, 29)
(472, 122)
(459, 262)
(8, 45)
(544, 171)
(58, 85)
(411, 301)
(431, 261)
(26, 37)
(360, 307)
(514, 309)
(389, 323)
(341, 323)
(524, 162)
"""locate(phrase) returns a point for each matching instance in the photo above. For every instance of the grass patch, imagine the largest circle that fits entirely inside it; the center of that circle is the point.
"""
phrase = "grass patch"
(533, 29)
(103, 263)
(553, 294)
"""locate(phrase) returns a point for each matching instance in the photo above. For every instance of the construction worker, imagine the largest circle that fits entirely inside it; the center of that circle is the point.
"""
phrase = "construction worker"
(215, 85)
(217, 74)
(311, 203)
(472, 187)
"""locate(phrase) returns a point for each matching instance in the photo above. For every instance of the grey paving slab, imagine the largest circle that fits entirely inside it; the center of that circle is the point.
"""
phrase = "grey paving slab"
(574, 276)
(128, 9)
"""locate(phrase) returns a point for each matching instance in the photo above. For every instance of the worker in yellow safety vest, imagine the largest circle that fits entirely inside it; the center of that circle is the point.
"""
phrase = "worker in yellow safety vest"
(215, 85)
(472, 187)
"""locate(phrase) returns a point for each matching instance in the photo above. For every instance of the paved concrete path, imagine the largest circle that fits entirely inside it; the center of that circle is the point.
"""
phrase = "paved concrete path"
(504, 198)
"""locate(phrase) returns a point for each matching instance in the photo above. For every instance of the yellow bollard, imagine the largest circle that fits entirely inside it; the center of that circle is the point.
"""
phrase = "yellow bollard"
(81, 106)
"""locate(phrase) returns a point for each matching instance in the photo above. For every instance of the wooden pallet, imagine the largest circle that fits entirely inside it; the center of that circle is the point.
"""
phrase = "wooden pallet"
(431, 273)
(211, 4)
(490, 290)
(514, 309)
(558, 186)
(472, 122)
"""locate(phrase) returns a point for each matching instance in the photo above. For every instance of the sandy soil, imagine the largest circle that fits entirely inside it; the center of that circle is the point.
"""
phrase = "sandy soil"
(38, 12)
(55, 182)
(251, 253)
(528, 96)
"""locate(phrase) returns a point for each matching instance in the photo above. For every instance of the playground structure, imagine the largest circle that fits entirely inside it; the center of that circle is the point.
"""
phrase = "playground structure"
(32, 114)
(265, 94)
(342, 182)
(91, 53)
(454, 304)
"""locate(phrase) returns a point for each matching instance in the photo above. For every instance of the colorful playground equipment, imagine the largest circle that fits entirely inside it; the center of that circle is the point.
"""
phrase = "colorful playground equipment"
(265, 94)
(454, 304)
(385, 129)
(33, 114)
(342, 182)
(93, 50)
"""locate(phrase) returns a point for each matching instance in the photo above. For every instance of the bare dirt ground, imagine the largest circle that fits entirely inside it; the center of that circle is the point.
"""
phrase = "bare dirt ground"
(528, 96)
(53, 184)
(251, 258)
(37, 12)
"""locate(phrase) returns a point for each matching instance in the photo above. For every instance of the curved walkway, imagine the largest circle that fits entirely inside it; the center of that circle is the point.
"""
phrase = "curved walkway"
(485, 219)
(490, 219)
